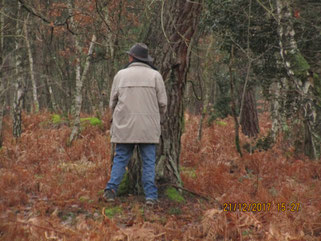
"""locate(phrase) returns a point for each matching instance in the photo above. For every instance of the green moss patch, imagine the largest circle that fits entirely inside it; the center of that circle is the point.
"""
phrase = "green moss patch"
(221, 123)
(123, 187)
(56, 119)
(101, 192)
(94, 121)
(38, 176)
(175, 211)
(300, 65)
(111, 212)
(174, 195)
(84, 198)
(188, 171)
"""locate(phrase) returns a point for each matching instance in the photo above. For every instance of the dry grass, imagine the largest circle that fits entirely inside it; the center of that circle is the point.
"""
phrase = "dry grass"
(276, 176)
(49, 191)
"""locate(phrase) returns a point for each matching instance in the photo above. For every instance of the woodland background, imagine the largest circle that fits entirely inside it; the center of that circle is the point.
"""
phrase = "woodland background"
(243, 122)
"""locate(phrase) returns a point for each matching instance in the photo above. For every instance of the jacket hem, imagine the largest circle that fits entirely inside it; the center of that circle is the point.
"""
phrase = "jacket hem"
(137, 142)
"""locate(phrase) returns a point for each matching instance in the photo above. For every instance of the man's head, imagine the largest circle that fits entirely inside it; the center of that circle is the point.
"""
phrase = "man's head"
(139, 51)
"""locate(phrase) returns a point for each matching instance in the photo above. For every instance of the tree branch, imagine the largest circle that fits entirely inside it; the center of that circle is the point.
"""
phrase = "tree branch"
(51, 24)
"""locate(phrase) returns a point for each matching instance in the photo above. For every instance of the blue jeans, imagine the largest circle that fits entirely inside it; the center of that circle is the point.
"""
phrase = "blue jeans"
(121, 159)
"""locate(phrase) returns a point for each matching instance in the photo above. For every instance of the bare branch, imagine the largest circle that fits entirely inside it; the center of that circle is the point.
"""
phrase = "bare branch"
(44, 19)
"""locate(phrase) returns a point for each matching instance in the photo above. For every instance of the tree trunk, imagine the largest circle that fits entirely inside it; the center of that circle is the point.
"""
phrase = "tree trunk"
(19, 89)
(135, 173)
(2, 80)
(179, 22)
(80, 77)
(2, 106)
(174, 33)
(306, 101)
(233, 103)
(79, 83)
(275, 110)
(51, 94)
(111, 51)
(204, 111)
(204, 90)
(249, 118)
(32, 74)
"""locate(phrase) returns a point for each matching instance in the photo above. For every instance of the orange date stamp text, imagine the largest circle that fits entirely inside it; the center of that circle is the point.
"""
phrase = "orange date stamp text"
(261, 207)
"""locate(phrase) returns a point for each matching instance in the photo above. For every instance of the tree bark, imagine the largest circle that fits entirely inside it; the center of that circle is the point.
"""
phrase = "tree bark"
(32, 74)
(204, 112)
(249, 118)
(306, 101)
(2, 80)
(176, 25)
(204, 90)
(248, 111)
(79, 83)
(80, 77)
(179, 20)
(51, 94)
(19, 89)
(112, 39)
(275, 110)
(233, 103)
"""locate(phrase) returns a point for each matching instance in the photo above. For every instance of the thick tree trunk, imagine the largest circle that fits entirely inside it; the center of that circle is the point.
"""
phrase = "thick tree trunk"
(306, 101)
(249, 118)
(171, 41)
(19, 89)
(135, 173)
(179, 22)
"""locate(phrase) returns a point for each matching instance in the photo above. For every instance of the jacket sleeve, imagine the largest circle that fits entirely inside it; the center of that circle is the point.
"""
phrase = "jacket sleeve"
(161, 95)
(113, 95)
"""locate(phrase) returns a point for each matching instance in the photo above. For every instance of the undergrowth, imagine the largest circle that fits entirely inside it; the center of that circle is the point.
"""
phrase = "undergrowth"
(51, 191)
(274, 177)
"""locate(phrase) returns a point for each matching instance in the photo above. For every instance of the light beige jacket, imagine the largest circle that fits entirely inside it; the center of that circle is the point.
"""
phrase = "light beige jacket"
(138, 98)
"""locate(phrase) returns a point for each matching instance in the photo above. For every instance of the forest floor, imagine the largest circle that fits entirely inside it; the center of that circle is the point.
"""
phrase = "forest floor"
(49, 191)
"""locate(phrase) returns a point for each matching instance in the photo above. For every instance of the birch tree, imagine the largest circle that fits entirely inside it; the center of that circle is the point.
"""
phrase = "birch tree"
(80, 78)
(18, 83)
(81, 75)
(306, 101)
(31, 69)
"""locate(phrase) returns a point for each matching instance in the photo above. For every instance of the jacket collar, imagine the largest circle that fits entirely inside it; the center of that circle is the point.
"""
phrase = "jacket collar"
(140, 63)
(134, 64)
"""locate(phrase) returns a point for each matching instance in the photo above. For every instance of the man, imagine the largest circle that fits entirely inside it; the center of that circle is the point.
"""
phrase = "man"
(138, 99)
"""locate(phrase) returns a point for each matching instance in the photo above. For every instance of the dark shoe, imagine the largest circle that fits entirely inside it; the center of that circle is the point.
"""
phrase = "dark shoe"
(151, 202)
(109, 195)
